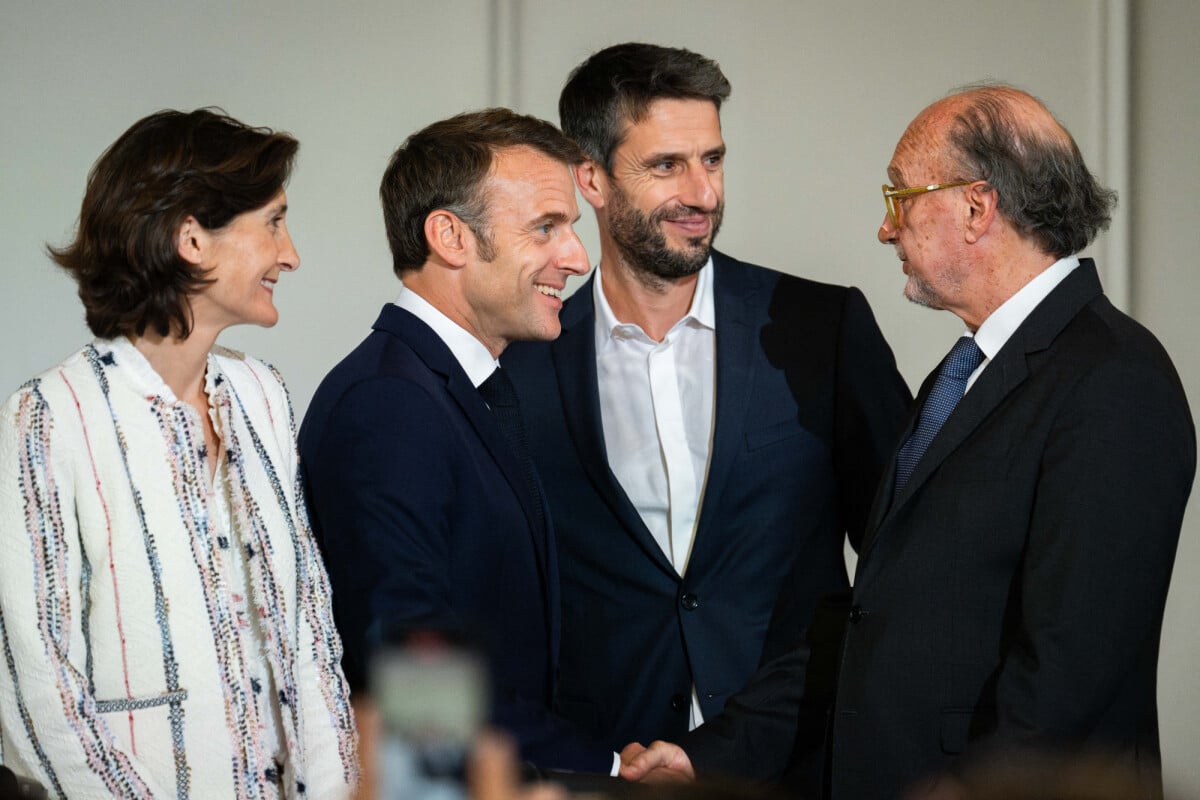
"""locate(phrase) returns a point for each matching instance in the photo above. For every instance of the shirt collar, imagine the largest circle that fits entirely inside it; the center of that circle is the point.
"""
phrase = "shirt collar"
(1004, 321)
(137, 370)
(702, 311)
(470, 353)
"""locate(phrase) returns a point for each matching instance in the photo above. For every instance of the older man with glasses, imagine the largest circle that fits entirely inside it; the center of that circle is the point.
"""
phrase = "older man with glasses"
(1011, 584)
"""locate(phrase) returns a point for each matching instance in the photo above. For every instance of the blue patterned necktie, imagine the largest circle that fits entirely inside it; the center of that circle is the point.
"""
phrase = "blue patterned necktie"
(501, 397)
(947, 390)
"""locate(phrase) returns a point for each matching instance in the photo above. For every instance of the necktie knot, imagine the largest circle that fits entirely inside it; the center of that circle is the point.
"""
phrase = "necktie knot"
(497, 391)
(965, 357)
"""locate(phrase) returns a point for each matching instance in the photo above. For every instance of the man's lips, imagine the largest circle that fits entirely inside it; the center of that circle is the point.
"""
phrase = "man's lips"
(694, 225)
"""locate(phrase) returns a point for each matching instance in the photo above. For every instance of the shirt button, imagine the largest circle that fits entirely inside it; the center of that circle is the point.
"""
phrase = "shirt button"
(690, 601)
(678, 702)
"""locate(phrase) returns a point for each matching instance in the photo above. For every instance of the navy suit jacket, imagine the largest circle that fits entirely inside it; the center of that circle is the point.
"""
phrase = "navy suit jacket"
(808, 406)
(1012, 595)
(425, 522)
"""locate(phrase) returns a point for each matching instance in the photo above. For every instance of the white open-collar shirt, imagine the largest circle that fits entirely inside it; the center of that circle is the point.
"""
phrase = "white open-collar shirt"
(656, 408)
(656, 404)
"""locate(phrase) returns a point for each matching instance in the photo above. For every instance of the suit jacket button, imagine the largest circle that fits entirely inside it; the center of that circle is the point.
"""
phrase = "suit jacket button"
(679, 702)
(690, 601)
(856, 614)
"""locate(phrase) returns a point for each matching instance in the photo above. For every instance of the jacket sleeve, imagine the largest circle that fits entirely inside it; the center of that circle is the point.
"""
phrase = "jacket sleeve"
(1111, 491)
(384, 533)
(873, 403)
(330, 740)
(755, 735)
(50, 726)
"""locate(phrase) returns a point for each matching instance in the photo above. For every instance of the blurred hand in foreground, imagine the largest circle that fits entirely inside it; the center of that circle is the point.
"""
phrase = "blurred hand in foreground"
(492, 773)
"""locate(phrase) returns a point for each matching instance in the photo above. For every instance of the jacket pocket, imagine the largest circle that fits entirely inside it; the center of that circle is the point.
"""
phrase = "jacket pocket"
(771, 434)
(140, 703)
(956, 729)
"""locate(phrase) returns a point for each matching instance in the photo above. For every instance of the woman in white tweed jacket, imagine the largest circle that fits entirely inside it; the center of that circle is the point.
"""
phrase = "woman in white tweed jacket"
(164, 614)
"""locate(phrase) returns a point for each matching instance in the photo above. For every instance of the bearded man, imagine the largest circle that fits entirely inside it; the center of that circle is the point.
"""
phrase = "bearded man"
(708, 432)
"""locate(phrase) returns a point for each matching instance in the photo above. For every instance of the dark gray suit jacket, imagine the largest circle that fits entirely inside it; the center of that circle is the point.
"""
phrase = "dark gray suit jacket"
(1012, 595)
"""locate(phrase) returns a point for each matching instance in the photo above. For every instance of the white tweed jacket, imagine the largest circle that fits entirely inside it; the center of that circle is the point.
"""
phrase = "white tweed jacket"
(120, 674)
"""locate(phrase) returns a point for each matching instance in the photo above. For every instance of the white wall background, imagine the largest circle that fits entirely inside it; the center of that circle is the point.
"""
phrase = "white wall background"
(821, 93)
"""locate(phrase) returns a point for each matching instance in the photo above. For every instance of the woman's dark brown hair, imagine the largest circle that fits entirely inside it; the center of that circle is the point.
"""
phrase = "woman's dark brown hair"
(167, 167)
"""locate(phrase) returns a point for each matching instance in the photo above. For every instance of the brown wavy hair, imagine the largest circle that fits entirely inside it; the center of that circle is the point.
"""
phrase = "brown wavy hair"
(165, 168)
(615, 87)
(445, 166)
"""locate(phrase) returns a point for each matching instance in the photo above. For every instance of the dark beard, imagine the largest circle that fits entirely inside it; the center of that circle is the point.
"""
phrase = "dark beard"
(643, 244)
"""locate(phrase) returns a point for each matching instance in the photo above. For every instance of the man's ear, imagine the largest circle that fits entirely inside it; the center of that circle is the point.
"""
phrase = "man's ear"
(449, 238)
(592, 181)
(191, 240)
(982, 210)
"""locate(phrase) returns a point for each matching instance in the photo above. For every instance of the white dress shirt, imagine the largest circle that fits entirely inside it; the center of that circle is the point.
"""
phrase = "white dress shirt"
(468, 351)
(656, 407)
(998, 328)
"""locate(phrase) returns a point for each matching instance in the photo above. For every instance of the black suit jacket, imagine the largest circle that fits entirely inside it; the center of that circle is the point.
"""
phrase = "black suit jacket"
(808, 405)
(425, 522)
(1012, 595)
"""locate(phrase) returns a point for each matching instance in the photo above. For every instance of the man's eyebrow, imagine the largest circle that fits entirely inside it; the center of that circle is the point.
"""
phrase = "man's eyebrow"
(662, 155)
(554, 216)
(677, 155)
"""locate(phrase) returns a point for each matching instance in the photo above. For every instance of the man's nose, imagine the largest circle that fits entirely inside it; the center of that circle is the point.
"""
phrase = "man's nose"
(887, 231)
(700, 189)
(574, 257)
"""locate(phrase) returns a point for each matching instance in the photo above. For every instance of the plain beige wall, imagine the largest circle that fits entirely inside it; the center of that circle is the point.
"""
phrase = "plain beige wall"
(821, 93)
(1166, 290)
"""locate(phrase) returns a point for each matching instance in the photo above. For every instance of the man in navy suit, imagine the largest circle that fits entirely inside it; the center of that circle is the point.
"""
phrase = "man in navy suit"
(428, 511)
(708, 431)
(1011, 585)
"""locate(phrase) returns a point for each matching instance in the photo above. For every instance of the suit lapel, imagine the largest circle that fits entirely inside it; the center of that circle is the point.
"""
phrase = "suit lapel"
(881, 506)
(735, 345)
(1003, 375)
(574, 354)
(437, 356)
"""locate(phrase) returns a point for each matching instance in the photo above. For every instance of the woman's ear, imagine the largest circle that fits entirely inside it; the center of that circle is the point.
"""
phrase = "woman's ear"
(191, 240)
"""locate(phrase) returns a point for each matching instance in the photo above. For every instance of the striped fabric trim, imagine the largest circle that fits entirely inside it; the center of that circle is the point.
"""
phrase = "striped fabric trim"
(313, 590)
(140, 703)
(43, 759)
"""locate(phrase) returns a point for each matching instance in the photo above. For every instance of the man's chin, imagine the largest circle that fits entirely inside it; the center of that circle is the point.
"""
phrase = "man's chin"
(920, 295)
(694, 252)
